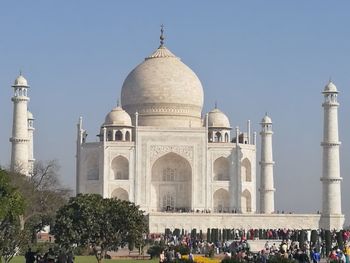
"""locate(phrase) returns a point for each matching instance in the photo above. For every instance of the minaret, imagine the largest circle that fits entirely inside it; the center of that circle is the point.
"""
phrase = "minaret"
(267, 191)
(80, 141)
(31, 129)
(331, 180)
(19, 139)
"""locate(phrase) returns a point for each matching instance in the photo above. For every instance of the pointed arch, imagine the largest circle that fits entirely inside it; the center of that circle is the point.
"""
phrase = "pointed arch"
(217, 137)
(246, 170)
(120, 168)
(226, 137)
(210, 136)
(127, 136)
(121, 194)
(109, 136)
(246, 202)
(171, 183)
(118, 136)
(221, 169)
(221, 200)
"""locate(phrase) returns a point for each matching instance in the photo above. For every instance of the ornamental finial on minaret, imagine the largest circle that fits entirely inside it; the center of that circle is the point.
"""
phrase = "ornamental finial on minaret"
(162, 37)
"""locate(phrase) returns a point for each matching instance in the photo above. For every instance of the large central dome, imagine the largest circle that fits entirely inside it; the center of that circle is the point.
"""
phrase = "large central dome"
(164, 91)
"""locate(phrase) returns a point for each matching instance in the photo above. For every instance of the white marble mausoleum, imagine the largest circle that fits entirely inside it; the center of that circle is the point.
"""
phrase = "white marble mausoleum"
(186, 168)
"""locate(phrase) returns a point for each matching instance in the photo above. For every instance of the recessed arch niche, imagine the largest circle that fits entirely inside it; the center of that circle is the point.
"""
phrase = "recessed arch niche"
(171, 183)
(121, 194)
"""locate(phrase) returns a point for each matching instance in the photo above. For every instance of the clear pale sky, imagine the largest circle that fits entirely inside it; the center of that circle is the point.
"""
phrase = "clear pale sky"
(251, 56)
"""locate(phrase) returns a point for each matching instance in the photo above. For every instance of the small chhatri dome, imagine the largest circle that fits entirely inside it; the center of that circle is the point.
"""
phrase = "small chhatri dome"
(330, 88)
(20, 81)
(218, 119)
(266, 120)
(118, 117)
(30, 115)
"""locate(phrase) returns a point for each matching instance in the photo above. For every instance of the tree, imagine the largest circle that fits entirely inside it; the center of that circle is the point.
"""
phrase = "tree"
(42, 195)
(100, 223)
(11, 208)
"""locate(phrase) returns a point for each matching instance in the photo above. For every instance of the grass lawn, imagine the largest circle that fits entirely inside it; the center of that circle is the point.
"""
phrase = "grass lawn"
(92, 259)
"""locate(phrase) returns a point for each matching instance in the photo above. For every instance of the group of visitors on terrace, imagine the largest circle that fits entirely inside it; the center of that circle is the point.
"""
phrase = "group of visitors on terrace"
(300, 246)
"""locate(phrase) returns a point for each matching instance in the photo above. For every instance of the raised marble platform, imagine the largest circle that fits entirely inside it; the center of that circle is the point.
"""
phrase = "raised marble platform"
(201, 221)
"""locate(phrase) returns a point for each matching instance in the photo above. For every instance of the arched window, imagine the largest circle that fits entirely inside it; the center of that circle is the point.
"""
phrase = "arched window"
(221, 169)
(221, 201)
(120, 167)
(226, 137)
(246, 202)
(109, 136)
(210, 136)
(127, 136)
(118, 136)
(217, 137)
(169, 174)
(121, 194)
(246, 170)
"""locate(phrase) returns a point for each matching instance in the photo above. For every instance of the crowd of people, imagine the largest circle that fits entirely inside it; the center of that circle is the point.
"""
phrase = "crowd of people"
(49, 257)
(280, 244)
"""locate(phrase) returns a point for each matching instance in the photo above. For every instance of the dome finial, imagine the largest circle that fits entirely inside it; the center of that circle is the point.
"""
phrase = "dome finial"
(216, 104)
(161, 35)
(118, 103)
(20, 72)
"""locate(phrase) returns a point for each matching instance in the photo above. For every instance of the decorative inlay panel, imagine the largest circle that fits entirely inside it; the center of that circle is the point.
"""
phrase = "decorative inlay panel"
(158, 150)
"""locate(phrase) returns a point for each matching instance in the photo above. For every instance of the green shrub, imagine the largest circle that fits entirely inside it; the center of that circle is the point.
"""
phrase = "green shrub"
(155, 250)
(231, 260)
(278, 259)
(182, 249)
(211, 252)
(82, 251)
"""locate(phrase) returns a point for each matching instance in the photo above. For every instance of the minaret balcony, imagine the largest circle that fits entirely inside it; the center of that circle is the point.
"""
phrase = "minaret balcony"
(331, 179)
(20, 98)
(330, 144)
(328, 104)
(18, 140)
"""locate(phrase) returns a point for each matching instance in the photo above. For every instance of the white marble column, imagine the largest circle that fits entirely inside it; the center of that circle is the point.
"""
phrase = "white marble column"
(267, 190)
(19, 139)
(331, 180)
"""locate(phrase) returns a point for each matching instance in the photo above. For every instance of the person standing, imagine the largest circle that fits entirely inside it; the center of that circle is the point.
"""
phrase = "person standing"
(30, 256)
(161, 257)
(316, 257)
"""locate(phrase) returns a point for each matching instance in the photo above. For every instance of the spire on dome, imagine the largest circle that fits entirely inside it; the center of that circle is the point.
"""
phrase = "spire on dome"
(216, 104)
(162, 38)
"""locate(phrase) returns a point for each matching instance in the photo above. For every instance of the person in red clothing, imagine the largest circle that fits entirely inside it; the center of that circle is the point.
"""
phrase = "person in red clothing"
(333, 255)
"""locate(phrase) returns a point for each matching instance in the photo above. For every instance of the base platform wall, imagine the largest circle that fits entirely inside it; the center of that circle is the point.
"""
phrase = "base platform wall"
(159, 221)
